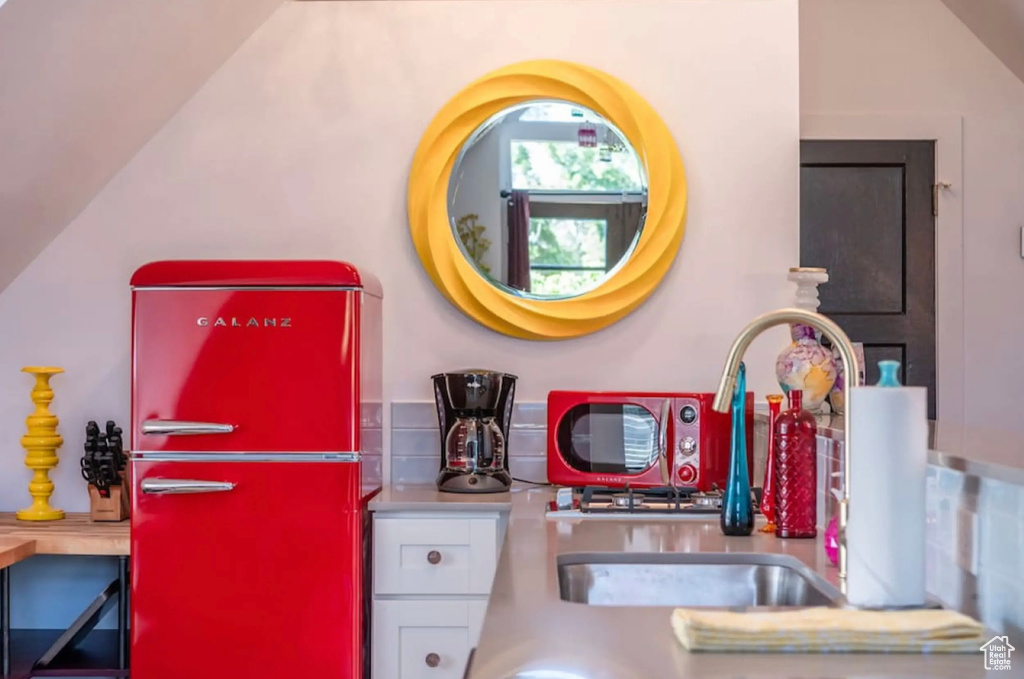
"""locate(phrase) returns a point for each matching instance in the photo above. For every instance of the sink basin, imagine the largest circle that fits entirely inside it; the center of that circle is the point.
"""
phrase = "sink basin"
(720, 580)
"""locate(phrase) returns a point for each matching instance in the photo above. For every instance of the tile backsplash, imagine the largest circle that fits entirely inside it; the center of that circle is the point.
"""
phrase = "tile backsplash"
(416, 442)
(975, 546)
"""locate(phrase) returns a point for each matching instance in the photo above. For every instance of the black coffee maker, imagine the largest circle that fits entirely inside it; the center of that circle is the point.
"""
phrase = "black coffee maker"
(474, 411)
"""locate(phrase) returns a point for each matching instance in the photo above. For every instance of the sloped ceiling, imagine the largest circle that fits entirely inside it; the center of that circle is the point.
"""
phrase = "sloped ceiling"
(997, 23)
(83, 85)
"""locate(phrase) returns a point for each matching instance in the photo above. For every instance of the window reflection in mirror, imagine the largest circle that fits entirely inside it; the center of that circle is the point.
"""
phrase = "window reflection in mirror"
(547, 199)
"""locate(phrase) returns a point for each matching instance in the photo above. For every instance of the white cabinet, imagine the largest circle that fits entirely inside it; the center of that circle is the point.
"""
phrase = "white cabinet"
(435, 555)
(430, 639)
(432, 575)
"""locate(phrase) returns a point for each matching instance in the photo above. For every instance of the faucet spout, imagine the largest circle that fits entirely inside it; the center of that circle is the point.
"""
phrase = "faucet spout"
(828, 327)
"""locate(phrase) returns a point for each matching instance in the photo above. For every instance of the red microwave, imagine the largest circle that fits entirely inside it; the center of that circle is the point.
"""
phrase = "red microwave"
(612, 439)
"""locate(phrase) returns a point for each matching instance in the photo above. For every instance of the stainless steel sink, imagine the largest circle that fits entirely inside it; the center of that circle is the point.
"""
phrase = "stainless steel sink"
(719, 580)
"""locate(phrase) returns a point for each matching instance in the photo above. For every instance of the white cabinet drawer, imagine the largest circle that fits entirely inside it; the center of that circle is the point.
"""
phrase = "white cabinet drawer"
(424, 639)
(434, 556)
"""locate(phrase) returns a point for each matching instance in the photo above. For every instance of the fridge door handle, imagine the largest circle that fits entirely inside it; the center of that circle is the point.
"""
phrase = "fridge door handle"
(184, 486)
(183, 428)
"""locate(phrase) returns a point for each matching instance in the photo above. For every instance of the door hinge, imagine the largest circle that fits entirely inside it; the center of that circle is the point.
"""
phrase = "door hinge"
(945, 186)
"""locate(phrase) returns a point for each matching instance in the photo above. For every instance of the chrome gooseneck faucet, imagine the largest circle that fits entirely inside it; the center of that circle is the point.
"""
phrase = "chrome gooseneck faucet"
(723, 398)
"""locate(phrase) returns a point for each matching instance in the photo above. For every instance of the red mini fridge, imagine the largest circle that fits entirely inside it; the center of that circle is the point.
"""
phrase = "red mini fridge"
(256, 439)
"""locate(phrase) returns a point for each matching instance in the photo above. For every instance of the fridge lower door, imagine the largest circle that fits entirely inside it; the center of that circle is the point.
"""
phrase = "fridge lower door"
(246, 569)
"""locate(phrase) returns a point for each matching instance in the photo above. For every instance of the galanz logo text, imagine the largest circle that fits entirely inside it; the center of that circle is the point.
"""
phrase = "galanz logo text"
(251, 322)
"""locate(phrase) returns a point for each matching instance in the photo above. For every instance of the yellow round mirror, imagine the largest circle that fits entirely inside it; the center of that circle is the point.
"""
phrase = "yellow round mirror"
(547, 200)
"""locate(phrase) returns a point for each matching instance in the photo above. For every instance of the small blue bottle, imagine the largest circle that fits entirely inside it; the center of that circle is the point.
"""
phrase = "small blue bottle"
(888, 374)
(737, 508)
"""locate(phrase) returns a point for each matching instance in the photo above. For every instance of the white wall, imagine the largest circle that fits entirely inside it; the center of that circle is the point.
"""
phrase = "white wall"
(300, 147)
(878, 57)
(997, 23)
(84, 85)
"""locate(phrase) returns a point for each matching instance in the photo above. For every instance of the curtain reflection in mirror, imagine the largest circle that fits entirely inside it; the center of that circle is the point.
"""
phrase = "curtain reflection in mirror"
(519, 241)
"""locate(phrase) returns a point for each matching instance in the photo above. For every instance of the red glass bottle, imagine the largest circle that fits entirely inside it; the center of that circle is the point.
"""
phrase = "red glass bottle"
(796, 471)
(768, 488)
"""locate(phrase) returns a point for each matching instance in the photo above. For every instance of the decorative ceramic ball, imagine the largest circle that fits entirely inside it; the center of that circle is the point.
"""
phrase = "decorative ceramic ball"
(808, 366)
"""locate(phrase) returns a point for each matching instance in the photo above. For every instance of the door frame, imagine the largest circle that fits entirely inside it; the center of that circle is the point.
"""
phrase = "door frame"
(947, 133)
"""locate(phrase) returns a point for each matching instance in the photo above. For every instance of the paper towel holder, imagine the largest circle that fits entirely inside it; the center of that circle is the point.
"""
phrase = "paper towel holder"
(828, 327)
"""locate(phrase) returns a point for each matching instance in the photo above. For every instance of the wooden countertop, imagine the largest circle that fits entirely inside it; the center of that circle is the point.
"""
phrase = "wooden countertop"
(13, 550)
(72, 535)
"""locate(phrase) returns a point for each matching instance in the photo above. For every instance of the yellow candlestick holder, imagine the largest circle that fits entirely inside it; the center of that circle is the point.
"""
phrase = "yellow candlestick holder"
(41, 444)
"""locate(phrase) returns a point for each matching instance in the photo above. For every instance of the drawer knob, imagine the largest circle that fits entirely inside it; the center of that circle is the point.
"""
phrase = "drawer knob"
(434, 557)
(433, 660)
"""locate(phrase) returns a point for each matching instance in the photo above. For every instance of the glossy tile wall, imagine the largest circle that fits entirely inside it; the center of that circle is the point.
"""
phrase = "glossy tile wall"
(416, 442)
(975, 526)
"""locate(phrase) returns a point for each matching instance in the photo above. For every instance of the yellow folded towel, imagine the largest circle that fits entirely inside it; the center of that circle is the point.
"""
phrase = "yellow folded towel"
(828, 630)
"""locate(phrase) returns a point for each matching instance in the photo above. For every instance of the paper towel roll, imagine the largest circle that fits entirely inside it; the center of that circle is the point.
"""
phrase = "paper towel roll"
(885, 535)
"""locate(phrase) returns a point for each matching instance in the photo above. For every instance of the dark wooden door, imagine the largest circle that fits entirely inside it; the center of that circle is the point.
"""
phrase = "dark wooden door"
(866, 216)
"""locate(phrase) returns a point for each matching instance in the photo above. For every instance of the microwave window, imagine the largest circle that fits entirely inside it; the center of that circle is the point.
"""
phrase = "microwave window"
(610, 438)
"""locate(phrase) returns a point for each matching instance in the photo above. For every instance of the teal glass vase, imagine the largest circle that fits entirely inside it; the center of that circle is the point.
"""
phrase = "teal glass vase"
(888, 374)
(737, 508)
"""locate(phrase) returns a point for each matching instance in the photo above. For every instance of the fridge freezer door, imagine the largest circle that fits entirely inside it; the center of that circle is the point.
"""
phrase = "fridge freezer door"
(256, 571)
(219, 370)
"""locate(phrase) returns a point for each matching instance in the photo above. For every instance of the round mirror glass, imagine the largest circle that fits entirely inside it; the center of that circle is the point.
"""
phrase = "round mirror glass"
(547, 199)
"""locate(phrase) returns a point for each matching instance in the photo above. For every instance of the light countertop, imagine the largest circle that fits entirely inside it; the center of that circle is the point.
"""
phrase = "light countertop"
(427, 498)
(530, 633)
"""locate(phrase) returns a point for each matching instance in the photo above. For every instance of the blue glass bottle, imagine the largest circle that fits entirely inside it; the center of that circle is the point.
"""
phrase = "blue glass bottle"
(888, 374)
(737, 509)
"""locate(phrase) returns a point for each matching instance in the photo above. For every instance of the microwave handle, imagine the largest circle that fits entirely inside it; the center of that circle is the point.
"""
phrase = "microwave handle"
(667, 477)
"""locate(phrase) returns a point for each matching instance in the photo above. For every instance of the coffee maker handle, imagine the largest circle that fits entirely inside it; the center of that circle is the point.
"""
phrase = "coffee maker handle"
(667, 478)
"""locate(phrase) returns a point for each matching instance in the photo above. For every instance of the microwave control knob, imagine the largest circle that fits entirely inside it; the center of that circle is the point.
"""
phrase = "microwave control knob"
(687, 473)
(688, 415)
(687, 446)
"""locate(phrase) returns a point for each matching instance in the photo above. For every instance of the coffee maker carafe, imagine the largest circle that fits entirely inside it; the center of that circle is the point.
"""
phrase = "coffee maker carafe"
(474, 411)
